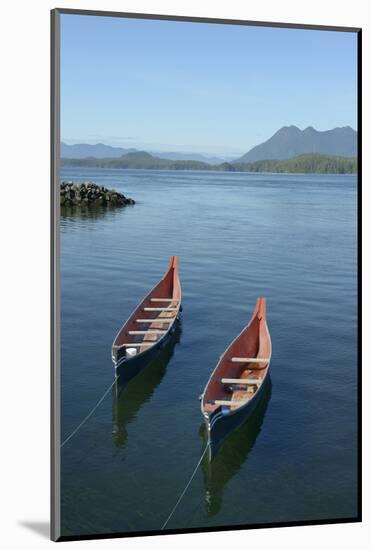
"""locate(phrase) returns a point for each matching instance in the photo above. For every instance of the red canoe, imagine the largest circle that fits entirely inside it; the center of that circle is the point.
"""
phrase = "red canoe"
(235, 385)
(150, 326)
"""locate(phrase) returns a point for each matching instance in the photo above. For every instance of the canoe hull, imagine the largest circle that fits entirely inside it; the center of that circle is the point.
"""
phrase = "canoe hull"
(157, 315)
(220, 425)
(126, 369)
(246, 358)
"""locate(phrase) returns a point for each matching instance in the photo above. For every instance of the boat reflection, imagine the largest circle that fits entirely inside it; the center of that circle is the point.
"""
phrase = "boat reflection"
(128, 398)
(232, 454)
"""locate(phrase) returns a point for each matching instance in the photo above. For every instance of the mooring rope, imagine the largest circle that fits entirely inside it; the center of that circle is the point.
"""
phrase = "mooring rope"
(190, 479)
(90, 413)
(185, 488)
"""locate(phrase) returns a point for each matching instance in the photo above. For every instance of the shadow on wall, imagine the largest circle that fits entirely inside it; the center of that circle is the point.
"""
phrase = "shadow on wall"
(41, 528)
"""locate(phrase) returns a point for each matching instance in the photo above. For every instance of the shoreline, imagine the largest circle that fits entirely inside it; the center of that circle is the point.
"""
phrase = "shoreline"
(108, 168)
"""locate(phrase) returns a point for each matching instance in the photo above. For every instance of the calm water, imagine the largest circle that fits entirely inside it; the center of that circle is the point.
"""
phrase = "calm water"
(290, 238)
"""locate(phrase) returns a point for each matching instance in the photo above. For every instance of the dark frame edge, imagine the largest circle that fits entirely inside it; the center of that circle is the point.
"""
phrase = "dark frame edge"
(55, 523)
(196, 19)
(225, 528)
(359, 268)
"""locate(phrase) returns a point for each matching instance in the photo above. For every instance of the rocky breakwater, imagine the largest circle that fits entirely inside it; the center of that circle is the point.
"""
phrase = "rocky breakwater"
(90, 194)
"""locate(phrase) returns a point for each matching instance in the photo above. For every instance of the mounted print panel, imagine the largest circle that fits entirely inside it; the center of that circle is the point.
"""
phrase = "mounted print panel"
(206, 190)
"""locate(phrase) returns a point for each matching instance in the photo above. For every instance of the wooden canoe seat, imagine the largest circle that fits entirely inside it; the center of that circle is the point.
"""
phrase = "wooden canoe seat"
(249, 360)
(160, 308)
(150, 331)
(242, 381)
(156, 320)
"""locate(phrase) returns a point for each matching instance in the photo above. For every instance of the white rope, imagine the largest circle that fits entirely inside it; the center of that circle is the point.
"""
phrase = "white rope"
(89, 415)
(185, 489)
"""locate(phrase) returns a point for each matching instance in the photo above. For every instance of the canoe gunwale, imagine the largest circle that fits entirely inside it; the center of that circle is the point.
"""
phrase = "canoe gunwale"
(152, 345)
(209, 416)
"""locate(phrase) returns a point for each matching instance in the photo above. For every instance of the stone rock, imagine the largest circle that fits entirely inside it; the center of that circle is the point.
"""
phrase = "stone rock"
(90, 194)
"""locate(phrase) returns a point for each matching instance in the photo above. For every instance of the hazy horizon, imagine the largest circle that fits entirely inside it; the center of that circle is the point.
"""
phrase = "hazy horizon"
(138, 148)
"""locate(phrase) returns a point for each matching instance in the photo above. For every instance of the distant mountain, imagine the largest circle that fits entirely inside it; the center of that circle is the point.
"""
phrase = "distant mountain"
(311, 164)
(98, 150)
(138, 159)
(101, 151)
(290, 142)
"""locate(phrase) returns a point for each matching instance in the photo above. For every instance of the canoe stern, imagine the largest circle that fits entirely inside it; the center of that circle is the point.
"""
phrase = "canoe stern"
(222, 422)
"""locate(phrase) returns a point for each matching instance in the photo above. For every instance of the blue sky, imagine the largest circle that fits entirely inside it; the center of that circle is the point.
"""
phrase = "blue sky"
(198, 87)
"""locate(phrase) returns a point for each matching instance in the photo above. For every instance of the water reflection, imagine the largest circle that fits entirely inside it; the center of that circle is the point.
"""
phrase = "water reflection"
(127, 400)
(232, 454)
(71, 214)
